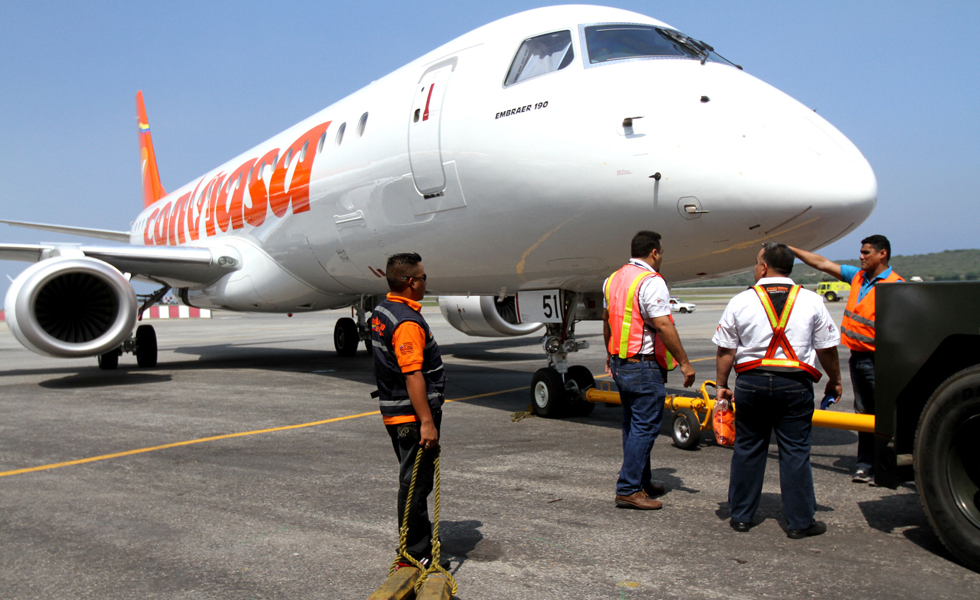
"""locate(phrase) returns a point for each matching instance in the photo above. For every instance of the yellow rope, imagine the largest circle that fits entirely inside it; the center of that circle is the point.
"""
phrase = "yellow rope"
(435, 567)
(403, 555)
(403, 530)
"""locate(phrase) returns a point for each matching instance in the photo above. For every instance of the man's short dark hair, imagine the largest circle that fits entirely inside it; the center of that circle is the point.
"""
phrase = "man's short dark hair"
(399, 267)
(779, 258)
(645, 242)
(879, 243)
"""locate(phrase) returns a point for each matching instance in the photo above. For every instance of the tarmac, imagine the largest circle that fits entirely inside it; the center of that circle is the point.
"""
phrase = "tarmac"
(251, 463)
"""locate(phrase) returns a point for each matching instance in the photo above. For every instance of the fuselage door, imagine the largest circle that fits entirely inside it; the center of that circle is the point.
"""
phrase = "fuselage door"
(423, 128)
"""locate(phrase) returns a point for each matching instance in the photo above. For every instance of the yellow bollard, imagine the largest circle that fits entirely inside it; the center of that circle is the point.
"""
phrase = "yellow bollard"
(436, 587)
(400, 585)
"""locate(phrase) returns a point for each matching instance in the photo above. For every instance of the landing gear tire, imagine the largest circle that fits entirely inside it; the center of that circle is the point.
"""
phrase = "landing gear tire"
(110, 360)
(577, 381)
(548, 396)
(831, 297)
(146, 346)
(685, 429)
(345, 338)
(947, 464)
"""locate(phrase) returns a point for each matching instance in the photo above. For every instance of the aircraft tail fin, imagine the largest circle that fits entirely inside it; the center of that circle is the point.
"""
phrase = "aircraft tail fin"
(152, 188)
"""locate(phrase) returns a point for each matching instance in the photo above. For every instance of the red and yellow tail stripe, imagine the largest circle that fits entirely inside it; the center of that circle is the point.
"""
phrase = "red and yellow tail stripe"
(152, 188)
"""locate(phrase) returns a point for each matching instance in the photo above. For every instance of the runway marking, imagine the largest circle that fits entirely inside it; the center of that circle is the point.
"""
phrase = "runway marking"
(226, 436)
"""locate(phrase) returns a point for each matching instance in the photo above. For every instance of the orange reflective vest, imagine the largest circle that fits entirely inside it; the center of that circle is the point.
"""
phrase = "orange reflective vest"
(625, 321)
(857, 330)
(779, 340)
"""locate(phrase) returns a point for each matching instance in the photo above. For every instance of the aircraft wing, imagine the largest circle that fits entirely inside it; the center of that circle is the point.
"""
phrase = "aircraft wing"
(173, 265)
(102, 234)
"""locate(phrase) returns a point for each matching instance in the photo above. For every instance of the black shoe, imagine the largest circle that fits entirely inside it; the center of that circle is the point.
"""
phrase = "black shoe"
(862, 476)
(443, 562)
(740, 526)
(816, 528)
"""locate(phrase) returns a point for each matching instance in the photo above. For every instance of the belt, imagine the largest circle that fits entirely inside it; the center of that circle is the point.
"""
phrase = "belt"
(642, 358)
(795, 376)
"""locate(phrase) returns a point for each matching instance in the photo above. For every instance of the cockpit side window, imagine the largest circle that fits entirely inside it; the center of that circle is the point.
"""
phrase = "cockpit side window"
(541, 55)
(627, 41)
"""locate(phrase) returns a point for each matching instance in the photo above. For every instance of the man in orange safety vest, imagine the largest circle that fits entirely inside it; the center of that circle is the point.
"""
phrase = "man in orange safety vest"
(642, 345)
(858, 330)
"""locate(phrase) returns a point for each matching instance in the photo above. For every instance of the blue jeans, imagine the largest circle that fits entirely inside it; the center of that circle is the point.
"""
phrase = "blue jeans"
(642, 392)
(764, 403)
(862, 367)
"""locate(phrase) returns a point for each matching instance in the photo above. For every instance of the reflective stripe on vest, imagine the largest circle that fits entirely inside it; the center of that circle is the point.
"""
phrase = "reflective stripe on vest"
(779, 339)
(857, 328)
(626, 328)
(393, 398)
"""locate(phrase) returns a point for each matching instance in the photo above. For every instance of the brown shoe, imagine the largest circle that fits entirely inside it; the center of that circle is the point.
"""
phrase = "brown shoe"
(653, 489)
(638, 500)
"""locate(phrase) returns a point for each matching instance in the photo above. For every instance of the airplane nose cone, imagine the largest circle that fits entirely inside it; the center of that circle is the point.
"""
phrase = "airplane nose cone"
(826, 183)
(802, 179)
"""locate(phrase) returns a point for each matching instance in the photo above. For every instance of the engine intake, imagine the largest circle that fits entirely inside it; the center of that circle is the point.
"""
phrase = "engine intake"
(71, 307)
(484, 316)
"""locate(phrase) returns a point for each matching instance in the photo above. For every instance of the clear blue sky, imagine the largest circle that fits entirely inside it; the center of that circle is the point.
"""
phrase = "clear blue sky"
(900, 79)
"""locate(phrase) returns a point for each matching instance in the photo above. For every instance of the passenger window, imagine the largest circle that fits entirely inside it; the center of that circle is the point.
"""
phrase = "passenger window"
(340, 134)
(541, 55)
(362, 124)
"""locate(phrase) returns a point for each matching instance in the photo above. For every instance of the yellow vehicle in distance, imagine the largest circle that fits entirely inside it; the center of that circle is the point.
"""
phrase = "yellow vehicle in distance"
(833, 291)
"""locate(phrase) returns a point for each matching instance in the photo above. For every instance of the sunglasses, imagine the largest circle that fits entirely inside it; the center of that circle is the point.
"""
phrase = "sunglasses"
(423, 277)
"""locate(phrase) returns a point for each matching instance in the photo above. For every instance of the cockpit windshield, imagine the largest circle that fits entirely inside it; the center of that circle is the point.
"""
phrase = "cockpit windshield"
(620, 42)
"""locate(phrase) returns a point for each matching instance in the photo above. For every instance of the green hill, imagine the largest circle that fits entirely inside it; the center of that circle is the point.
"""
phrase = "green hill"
(950, 265)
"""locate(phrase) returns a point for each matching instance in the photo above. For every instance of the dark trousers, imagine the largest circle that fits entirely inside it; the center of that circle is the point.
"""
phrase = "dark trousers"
(642, 393)
(405, 440)
(862, 367)
(763, 404)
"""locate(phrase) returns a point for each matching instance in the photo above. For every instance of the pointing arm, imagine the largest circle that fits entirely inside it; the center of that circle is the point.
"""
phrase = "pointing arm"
(818, 262)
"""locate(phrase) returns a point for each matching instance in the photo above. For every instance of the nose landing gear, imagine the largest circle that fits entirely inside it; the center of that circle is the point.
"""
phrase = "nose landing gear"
(558, 390)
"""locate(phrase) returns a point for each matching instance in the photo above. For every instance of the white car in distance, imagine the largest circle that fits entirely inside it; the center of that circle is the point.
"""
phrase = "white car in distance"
(682, 307)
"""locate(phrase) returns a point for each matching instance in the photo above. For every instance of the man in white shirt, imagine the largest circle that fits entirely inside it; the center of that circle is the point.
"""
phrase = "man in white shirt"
(642, 345)
(773, 334)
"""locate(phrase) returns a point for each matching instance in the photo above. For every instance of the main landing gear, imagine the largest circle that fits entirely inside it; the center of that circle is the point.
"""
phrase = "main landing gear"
(348, 333)
(558, 390)
(143, 342)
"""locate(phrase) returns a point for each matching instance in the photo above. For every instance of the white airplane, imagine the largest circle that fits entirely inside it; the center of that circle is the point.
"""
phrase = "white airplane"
(518, 160)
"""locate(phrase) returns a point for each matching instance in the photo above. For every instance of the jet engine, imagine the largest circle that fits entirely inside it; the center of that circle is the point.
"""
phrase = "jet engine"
(71, 307)
(484, 316)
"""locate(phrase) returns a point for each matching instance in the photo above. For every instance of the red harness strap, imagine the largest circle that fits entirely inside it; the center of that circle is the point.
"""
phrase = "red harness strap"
(779, 339)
